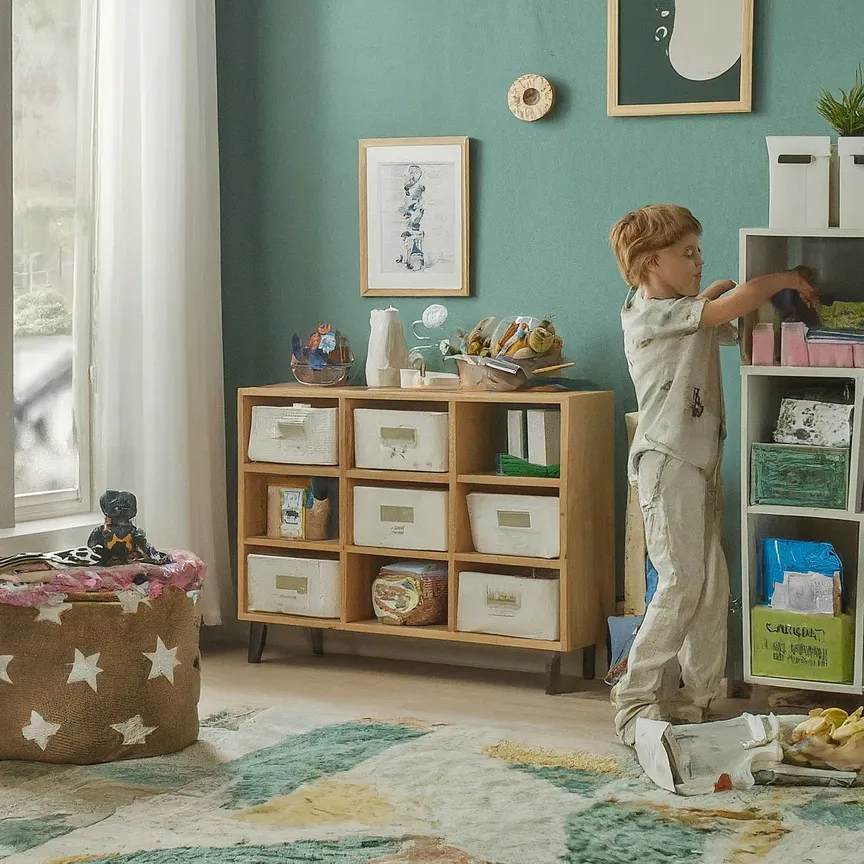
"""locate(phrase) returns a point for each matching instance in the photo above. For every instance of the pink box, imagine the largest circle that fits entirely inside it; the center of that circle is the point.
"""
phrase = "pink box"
(793, 345)
(763, 345)
(832, 355)
(858, 356)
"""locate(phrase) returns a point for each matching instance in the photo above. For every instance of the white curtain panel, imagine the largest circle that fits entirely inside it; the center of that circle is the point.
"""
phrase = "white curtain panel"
(158, 346)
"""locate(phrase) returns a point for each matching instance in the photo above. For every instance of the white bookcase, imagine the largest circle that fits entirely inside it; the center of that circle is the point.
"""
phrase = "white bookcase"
(837, 255)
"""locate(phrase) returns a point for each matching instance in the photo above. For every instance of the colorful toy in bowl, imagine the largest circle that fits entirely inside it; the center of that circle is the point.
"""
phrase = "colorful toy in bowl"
(324, 359)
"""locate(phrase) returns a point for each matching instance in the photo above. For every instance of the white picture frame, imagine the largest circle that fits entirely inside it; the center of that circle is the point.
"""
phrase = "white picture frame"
(414, 217)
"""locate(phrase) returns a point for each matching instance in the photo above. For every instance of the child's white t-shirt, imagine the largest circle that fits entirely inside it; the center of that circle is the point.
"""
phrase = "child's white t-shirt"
(675, 367)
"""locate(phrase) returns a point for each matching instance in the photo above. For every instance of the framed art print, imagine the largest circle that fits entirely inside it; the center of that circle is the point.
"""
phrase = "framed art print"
(414, 217)
(679, 57)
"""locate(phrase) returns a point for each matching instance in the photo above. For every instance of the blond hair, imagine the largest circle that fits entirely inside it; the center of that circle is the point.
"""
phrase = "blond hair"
(640, 235)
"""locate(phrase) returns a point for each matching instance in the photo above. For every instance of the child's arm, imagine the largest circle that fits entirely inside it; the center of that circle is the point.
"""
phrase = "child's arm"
(755, 293)
(718, 289)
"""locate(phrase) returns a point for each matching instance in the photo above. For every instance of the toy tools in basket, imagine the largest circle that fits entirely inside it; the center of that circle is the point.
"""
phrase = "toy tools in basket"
(508, 354)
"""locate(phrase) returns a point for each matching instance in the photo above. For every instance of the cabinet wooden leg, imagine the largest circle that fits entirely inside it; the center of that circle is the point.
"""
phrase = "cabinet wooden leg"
(589, 662)
(257, 640)
(553, 674)
(317, 641)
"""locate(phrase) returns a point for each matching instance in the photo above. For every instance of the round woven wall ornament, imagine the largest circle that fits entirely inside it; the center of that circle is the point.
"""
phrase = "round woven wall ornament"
(531, 97)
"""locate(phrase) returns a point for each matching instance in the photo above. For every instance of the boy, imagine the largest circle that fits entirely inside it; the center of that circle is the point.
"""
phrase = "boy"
(671, 339)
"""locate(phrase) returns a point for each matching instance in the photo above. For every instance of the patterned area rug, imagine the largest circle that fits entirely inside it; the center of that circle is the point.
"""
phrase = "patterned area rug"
(276, 786)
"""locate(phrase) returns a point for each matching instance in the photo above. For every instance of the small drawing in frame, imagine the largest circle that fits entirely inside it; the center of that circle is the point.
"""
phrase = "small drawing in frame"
(414, 217)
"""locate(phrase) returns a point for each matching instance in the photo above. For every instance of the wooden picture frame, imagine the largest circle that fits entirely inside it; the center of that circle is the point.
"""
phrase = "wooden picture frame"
(700, 69)
(414, 217)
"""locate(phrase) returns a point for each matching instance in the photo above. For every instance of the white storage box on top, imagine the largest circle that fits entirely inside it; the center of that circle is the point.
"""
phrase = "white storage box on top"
(799, 177)
(850, 152)
(509, 605)
(401, 440)
(295, 434)
(293, 586)
(524, 525)
(400, 518)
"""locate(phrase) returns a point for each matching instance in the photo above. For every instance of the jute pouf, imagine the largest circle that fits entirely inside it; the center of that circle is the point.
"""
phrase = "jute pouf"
(87, 678)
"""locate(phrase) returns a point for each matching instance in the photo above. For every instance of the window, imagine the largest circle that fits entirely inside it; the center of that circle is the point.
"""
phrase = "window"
(53, 48)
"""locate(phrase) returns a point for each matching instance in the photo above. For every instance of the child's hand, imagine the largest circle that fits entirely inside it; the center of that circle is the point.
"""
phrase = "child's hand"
(805, 285)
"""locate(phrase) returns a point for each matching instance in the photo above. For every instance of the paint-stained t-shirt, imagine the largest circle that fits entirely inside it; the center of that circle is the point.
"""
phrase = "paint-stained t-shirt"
(675, 367)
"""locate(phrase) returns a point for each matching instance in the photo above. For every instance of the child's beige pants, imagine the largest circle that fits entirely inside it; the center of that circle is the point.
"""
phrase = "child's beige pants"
(683, 636)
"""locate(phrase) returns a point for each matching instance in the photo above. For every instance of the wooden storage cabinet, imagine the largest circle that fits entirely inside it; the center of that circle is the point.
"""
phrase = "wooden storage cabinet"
(476, 433)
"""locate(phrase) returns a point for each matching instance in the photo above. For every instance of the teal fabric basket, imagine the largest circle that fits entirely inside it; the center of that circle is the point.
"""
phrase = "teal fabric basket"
(794, 475)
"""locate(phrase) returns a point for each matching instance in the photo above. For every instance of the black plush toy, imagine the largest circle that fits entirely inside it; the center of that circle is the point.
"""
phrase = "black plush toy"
(117, 540)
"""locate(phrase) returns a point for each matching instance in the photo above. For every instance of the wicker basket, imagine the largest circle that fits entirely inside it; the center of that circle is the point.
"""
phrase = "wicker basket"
(479, 376)
(412, 593)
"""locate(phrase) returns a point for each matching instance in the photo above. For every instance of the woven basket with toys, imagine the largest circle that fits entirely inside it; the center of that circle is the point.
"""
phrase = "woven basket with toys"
(508, 354)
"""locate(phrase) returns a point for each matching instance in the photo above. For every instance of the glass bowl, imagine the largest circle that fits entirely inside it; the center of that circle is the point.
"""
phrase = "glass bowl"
(328, 376)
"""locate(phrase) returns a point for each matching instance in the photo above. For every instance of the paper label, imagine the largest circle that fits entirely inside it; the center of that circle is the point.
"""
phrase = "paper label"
(514, 519)
(295, 584)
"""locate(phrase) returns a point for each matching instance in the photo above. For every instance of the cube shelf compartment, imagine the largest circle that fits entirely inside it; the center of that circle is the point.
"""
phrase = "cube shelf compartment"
(476, 430)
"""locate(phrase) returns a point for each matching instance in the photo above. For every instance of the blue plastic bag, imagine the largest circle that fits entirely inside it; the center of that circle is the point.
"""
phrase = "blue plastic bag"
(651, 578)
(795, 556)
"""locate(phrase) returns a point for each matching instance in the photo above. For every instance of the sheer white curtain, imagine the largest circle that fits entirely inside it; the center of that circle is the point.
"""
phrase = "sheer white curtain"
(158, 345)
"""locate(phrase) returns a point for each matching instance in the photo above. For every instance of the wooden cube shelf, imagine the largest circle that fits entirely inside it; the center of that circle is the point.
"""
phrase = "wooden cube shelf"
(477, 432)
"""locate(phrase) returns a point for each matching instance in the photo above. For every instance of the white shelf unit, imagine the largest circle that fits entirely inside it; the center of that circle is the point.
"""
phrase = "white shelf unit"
(836, 255)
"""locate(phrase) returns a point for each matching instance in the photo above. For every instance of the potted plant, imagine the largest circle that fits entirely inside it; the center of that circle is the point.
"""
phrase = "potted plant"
(846, 116)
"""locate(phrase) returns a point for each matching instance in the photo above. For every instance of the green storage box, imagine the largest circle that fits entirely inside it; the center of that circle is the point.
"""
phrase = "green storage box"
(806, 647)
(794, 475)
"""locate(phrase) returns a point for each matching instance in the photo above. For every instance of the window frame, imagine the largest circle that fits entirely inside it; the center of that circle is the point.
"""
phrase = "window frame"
(62, 502)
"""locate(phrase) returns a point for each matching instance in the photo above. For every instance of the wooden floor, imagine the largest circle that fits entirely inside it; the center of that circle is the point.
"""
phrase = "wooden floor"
(513, 704)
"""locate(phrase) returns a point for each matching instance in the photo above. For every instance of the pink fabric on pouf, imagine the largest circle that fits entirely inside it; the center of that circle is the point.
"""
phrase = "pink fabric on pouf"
(186, 572)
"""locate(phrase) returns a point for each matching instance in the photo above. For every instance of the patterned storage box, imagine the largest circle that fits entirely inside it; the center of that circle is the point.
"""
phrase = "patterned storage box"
(411, 592)
(798, 476)
(100, 664)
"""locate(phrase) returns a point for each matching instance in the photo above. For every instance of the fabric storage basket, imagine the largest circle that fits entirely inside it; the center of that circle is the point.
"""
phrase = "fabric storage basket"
(411, 593)
(795, 475)
(799, 175)
(298, 435)
(509, 605)
(400, 518)
(806, 647)
(525, 525)
(100, 664)
(294, 586)
(401, 440)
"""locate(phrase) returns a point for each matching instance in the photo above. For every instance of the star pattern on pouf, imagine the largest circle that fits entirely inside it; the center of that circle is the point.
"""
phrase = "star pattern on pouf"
(5, 660)
(133, 730)
(130, 600)
(53, 609)
(163, 659)
(40, 730)
(85, 669)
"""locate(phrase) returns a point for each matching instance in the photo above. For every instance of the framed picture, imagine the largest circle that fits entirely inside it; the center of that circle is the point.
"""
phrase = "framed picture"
(679, 57)
(414, 217)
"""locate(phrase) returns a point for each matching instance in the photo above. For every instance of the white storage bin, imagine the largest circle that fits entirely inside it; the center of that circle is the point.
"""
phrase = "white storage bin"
(293, 586)
(525, 525)
(508, 606)
(401, 440)
(400, 518)
(298, 435)
(851, 181)
(799, 173)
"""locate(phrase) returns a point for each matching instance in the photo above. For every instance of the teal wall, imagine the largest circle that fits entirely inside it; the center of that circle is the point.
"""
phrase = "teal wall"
(302, 80)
